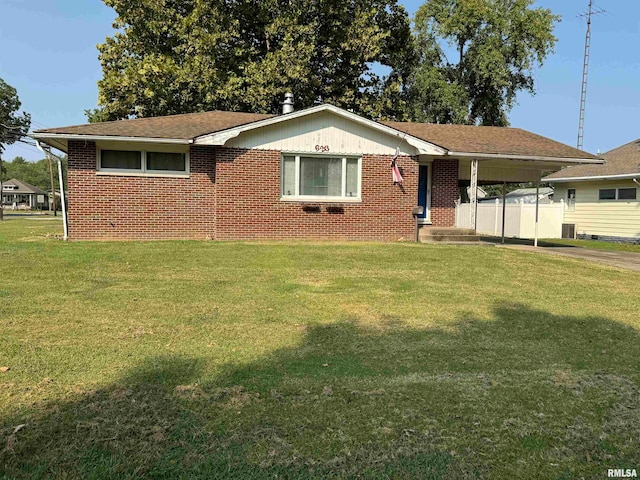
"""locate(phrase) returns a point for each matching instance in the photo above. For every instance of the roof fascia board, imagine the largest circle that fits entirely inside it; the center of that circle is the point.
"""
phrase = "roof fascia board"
(529, 158)
(220, 138)
(624, 176)
(61, 145)
(97, 138)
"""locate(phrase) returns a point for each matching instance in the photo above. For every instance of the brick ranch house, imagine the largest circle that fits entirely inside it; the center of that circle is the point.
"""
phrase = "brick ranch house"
(322, 172)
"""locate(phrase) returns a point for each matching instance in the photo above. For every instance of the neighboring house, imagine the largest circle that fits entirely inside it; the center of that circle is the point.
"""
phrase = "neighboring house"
(602, 201)
(524, 195)
(322, 172)
(21, 195)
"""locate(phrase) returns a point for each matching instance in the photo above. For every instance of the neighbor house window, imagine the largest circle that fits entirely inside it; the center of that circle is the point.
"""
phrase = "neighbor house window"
(322, 178)
(607, 194)
(136, 161)
(571, 199)
(627, 194)
(618, 194)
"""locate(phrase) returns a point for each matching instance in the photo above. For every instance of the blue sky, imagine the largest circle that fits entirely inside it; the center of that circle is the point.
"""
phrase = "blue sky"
(48, 53)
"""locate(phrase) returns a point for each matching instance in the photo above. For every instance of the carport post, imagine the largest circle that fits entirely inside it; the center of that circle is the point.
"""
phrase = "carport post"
(535, 238)
(504, 207)
(473, 193)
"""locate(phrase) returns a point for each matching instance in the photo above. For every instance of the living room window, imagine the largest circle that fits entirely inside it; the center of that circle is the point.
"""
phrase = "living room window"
(321, 178)
(141, 162)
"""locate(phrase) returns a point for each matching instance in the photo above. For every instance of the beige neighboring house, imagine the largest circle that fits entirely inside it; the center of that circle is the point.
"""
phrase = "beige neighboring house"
(602, 202)
(21, 195)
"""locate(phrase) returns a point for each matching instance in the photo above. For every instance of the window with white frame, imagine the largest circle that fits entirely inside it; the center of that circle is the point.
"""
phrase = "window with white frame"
(617, 193)
(137, 161)
(320, 178)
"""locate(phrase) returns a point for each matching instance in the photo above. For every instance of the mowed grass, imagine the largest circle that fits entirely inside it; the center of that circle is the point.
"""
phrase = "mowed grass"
(596, 244)
(312, 360)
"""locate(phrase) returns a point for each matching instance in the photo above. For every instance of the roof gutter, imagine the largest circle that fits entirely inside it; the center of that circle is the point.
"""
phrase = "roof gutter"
(624, 176)
(94, 138)
(527, 158)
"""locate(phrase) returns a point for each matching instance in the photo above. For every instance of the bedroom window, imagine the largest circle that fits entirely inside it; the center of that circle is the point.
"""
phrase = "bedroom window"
(143, 162)
(320, 178)
(120, 160)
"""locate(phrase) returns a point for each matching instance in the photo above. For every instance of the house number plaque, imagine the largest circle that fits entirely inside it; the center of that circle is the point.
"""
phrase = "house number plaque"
(322, 148)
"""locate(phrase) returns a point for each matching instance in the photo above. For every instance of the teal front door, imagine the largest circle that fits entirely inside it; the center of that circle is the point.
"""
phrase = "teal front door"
(424, 192)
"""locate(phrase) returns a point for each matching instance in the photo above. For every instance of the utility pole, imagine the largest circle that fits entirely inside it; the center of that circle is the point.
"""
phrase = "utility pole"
(585, 71)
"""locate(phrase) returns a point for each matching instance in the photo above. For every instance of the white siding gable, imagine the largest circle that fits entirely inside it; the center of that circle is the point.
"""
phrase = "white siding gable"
(323, 132)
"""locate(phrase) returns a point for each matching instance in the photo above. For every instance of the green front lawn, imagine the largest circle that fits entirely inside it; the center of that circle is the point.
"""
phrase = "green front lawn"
(307, 360)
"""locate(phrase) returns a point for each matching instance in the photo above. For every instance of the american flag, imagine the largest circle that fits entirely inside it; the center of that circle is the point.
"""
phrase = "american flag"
(397, 177)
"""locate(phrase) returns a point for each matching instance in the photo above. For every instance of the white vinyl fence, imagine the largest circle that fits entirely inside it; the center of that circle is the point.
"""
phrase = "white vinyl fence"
(520, 219)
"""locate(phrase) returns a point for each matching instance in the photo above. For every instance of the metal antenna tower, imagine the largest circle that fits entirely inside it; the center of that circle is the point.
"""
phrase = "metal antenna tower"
(585, 70)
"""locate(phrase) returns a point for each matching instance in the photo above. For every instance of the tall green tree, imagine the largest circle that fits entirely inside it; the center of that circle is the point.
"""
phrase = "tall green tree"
(13, 124)
(179, 56)
(475, 56)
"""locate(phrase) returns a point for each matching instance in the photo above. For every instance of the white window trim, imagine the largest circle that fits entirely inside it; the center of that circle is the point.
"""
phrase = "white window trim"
(143, 172)
(296, 197)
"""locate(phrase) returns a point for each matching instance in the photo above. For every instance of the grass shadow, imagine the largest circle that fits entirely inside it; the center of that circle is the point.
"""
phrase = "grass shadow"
(523, 392)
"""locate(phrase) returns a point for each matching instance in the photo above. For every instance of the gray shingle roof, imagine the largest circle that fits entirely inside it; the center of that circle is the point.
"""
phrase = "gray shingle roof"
(186, 126)
(624, 160)
(24, 188)
(455, 138)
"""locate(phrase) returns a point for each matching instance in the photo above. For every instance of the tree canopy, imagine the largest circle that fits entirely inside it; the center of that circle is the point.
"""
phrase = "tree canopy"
(13, 125)
(475, 56)
(465, 62)
(179, 56)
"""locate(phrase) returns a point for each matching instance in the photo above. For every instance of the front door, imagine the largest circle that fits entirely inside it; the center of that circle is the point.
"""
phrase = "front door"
(424, 192)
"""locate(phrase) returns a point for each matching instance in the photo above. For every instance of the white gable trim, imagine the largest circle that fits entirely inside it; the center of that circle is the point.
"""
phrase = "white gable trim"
(220, 138)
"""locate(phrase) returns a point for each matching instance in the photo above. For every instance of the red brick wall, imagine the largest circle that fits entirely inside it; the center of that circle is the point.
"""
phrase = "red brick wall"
(235, 194)
(444, 193)
(249, 205)
(128, 207)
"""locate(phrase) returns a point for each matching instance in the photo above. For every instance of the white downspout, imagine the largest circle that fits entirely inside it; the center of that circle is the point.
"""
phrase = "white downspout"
(63, 202)
(535, 238)
(635, 180)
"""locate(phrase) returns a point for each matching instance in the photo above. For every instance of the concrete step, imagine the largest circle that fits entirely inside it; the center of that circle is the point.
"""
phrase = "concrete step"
(449, 239)
(437, 231)
(448, 235)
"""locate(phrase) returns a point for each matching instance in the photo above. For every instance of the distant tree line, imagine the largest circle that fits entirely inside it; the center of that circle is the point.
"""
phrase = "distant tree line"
(34, 173)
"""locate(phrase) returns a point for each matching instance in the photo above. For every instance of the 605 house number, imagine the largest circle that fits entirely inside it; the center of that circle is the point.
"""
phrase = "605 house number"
(322, 148)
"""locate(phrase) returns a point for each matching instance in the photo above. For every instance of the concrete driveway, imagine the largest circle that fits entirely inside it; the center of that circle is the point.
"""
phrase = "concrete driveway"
(626, 260)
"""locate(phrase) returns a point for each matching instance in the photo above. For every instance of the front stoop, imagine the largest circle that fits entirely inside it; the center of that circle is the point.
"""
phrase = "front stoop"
(447, 235)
